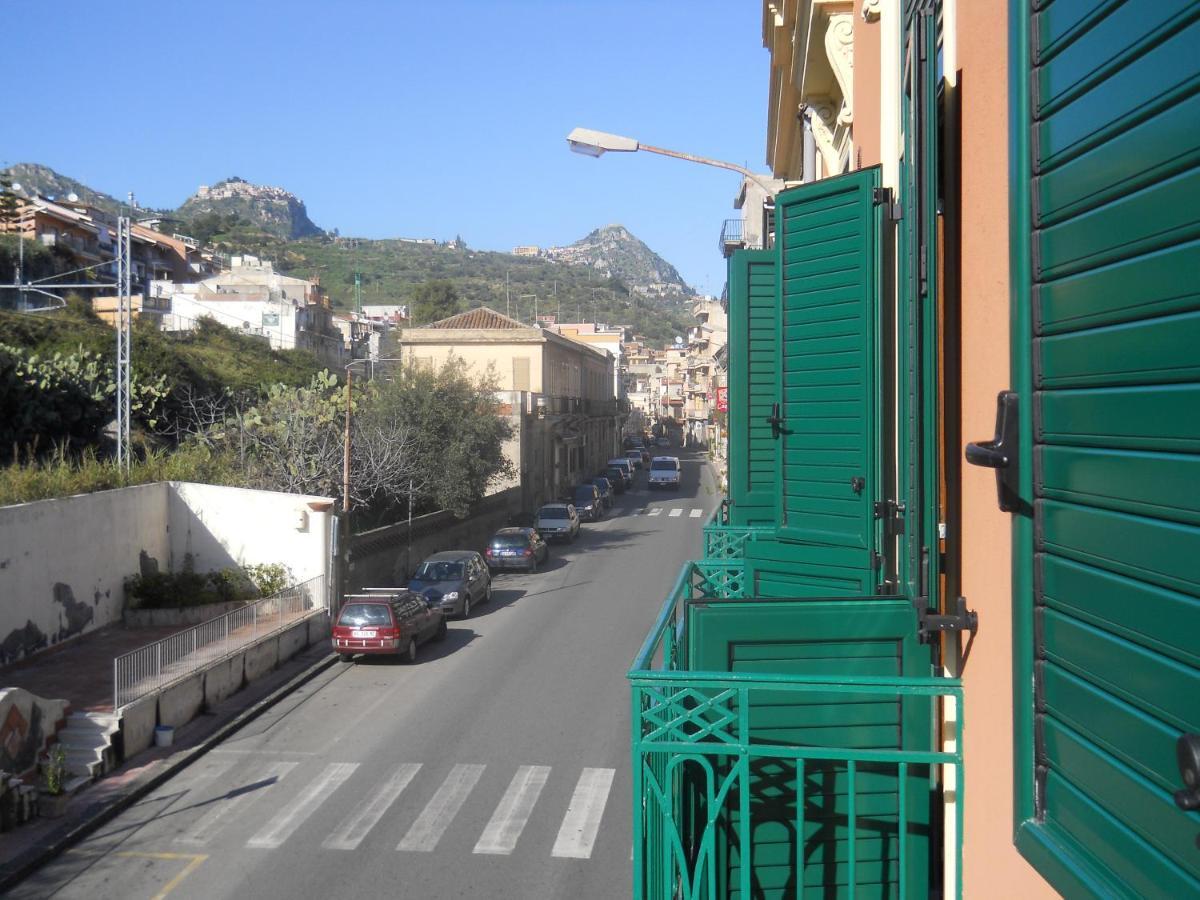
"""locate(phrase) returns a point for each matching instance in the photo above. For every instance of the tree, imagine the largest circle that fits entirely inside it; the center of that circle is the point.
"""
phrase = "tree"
(434, 300)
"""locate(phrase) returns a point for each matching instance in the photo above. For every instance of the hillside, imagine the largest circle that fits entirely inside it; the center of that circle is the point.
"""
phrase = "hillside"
(43, 180)
(271, 209)
(614, 252)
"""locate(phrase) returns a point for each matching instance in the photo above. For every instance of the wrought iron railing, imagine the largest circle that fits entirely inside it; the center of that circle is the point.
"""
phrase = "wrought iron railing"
(699, 773)
(159, 665)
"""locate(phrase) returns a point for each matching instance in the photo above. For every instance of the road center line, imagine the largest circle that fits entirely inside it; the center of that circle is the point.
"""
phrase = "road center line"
(436, 817)
(577, 834)
(508, 821)
(292, 816)
(357, 825)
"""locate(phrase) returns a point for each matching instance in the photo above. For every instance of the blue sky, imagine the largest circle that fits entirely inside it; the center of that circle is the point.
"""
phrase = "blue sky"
(420, 119)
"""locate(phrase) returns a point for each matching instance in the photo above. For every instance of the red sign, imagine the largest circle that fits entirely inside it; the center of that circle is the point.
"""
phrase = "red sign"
(722, 399)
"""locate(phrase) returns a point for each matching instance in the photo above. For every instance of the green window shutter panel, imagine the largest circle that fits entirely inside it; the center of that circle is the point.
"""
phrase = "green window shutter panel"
(1107, 276)
(753, 358)
(829, 443)
(858, 636)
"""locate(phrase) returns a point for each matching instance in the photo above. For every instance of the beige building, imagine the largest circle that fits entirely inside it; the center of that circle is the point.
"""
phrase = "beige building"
(565, 387)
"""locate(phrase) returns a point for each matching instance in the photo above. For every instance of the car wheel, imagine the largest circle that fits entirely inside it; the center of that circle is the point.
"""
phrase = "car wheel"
(440, 634)
(466, 613)
(410, 652)
(487, 598)
(346, 657)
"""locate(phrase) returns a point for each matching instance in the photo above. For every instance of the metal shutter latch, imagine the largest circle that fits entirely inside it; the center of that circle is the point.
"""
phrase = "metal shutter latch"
(1000, 453)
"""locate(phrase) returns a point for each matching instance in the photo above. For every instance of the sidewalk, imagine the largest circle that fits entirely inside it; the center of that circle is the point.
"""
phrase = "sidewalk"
(24, 846)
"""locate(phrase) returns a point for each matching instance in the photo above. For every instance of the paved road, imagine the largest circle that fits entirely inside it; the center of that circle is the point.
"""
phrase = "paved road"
(497, 767)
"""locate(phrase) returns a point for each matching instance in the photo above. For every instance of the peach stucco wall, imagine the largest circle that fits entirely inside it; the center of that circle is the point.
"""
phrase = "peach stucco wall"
(991, 865)
(867, 90)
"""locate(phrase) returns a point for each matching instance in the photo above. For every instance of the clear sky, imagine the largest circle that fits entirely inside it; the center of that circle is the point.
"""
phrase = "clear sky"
(415, 118)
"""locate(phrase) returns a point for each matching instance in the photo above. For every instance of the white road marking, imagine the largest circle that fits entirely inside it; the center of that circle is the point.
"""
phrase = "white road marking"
(508, 821)
(263, 778)
(657, 511)
(292, 816)
(358, 824)
(695, 513)
(675, 513)
(577, 834)
(425, 833)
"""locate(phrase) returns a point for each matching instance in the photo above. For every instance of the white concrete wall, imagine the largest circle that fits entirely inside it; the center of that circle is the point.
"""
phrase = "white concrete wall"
(227, 526)
(63, 563)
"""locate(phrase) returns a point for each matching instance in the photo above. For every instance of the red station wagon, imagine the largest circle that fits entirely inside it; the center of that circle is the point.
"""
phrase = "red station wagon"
(394, 623)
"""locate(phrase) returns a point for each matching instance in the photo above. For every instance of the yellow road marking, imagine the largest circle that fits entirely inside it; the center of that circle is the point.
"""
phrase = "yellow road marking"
(194, 860)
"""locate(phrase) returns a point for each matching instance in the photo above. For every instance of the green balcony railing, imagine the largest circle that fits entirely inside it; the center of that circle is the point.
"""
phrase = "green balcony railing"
(722, 809)
(725, 541)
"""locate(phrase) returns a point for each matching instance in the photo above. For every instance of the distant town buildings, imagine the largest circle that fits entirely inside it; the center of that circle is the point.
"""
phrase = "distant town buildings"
(526, 250)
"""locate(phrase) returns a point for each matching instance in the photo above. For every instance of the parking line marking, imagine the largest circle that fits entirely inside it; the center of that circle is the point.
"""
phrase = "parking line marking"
(512, 814)
(292, 816)
(675, 513)
(657, 511)
(577, 834)
(193, 860)
(425, 833)
(357, 825)
(263, 779)
(695, 513)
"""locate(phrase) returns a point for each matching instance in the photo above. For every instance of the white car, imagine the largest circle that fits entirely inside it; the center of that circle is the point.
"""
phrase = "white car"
(664, 472)
(557, 522)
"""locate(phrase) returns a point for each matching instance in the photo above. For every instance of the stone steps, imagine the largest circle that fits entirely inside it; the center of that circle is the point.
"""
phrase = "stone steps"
(87, 742)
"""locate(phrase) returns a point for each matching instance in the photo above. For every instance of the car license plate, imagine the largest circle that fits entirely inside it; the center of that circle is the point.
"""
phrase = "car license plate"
(508, 552)
(362, 634)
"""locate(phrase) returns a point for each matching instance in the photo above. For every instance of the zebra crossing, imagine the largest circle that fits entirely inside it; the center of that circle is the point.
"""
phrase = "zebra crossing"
(260, 784)
(670, 512)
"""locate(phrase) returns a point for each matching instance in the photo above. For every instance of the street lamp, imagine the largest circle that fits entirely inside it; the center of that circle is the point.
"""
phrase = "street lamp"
(594, 143)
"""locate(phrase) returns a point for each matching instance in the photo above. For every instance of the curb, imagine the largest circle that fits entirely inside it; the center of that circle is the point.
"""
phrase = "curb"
(23, 868)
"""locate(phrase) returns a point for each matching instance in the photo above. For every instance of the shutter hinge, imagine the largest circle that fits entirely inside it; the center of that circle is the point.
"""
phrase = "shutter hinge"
(930, 624)
(883, 196)
(892, 514)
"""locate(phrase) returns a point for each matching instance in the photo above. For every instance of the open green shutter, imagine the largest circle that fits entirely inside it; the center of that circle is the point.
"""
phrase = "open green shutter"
(1109, 568)
(753, 343)
(837, 639)
(828, 381)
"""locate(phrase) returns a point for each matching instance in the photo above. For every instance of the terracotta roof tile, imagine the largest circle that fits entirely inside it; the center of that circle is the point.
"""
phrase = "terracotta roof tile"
(482, 317)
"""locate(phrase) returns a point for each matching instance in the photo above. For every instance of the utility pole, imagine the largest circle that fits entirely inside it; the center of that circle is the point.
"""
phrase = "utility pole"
(507, 307)
(358, 292)
(124, 340)
(346, 450)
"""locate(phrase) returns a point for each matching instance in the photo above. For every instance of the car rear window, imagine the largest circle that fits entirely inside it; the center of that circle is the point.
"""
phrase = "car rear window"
(510, 540)
(359, 614)
(669, 464)
(439, 571)
(553, 512)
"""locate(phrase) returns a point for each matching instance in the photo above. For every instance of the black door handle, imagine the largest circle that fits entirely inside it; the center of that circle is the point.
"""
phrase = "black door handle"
(775, 420)
(1000, 453)
(1187, 754)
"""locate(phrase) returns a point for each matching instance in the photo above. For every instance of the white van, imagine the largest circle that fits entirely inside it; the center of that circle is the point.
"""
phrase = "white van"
(664, 472)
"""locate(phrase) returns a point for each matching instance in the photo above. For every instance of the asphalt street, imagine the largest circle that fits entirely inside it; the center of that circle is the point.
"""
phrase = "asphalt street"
(497, 766)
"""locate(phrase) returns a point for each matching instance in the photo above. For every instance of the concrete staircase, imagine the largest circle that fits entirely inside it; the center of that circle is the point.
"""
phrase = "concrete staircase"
(87, 740)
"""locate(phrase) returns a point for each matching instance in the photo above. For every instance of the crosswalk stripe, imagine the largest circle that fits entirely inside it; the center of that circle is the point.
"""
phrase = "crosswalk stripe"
(657, 511)
(695, 513)
(357, 825)
(577, 834)
(675, 513)
(292, 816)
(264, 777)
(429, 827)
(508, 821)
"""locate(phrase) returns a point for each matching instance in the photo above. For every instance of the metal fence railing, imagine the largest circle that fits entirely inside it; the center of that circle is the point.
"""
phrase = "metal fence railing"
(155, 666)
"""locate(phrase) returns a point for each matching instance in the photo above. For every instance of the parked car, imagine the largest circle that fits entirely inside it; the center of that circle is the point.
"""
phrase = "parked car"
(587, 502)
(453, 580)
(664, 472)
(626, 466)
(392, 623)
(616, 478)
(634, 457)
(516, 548)
(558, 521)
(604, 486)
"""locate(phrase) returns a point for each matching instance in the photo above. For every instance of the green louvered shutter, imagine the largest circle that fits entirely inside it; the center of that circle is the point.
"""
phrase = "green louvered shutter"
(1108, 277)
(753, 343)
(828, 381)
